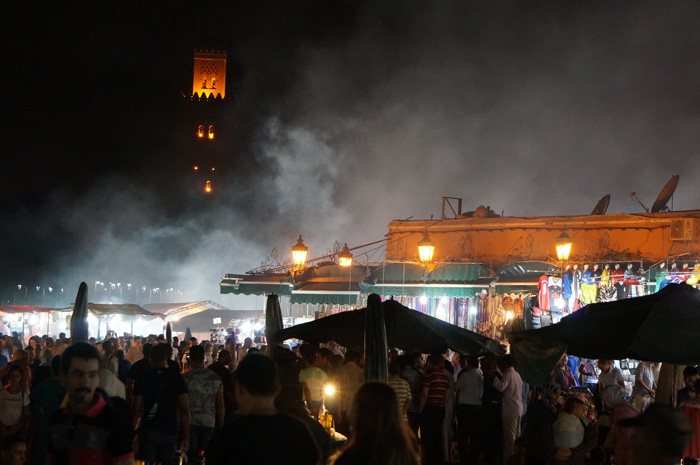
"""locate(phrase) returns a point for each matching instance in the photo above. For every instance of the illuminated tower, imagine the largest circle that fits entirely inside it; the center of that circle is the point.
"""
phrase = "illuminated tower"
(209, 77)
(205, 121)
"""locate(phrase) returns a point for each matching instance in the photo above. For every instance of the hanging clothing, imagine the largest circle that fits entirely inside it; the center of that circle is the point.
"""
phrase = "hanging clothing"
(555, 288)
(661, 278)
(576, 285)
(568, 282)
(694, 278)
(543, 296)
(607, 294)
(621, 290)
(531, 314)
(589, 294)
(605, 276)
(618, 276)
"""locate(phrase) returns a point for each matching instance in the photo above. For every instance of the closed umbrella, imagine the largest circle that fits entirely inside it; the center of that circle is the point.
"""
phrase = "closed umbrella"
(78, 321)
(188, 334)
(375, 341)
(168, 333)
(273, 322)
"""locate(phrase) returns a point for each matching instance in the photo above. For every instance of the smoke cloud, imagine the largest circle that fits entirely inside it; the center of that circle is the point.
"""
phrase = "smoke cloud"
(374, 115)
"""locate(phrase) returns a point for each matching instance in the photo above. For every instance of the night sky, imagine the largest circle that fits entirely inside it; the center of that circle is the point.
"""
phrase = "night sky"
(344, 115)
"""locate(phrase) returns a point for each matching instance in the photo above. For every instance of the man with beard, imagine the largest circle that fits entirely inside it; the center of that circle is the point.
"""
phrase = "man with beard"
(88, 430)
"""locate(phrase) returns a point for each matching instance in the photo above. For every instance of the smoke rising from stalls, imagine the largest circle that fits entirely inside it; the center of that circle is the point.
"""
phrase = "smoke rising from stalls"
(532, 110)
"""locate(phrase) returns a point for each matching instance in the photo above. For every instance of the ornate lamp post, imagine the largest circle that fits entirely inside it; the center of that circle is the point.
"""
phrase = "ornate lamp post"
(563, 245)
(345, 257)
(426, 248)
(299, 251)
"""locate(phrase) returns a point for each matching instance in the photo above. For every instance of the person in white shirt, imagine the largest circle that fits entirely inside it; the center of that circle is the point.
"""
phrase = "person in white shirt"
(469, 389)
(511, 386)
(608, 375)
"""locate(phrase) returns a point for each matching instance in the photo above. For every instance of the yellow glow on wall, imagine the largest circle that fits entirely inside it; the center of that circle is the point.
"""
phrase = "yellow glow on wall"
(209, 77)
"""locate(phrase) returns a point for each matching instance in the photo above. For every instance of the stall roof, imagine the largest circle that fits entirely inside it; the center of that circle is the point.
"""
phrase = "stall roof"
(23, 309)
(100, 310)
(183, 309)
(255, 284)
(204, 321)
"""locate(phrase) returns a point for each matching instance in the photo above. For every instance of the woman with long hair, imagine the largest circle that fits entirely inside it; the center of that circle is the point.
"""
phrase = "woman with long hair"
(379, 434)
(14, 403)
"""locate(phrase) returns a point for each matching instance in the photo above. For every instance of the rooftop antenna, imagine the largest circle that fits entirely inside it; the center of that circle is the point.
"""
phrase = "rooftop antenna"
(665, 195)
(634, 196)
(602, 205)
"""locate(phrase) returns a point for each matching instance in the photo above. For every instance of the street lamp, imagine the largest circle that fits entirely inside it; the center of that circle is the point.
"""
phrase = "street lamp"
(299, 251)
(345, 257)
(563, 245)
(426, 248)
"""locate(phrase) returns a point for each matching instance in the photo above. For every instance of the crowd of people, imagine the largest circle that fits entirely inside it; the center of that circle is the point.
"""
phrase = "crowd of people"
(127, 399)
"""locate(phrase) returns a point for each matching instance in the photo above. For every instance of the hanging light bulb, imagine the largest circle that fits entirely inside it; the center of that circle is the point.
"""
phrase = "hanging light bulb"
(207, 187)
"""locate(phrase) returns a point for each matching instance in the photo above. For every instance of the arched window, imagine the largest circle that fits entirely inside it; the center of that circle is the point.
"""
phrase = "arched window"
(211, 131)
(200, 131)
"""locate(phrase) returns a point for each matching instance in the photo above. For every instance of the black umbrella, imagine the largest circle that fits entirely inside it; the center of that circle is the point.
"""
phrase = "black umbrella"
(662, 327)
(168, 333)
(375, 341)
(78, 321)
(273, 322)
(406, 329)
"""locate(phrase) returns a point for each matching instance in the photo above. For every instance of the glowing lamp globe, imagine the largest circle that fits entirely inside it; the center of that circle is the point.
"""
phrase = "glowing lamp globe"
(345, 257)
(563, 245)
(299, 252)
(426, 248)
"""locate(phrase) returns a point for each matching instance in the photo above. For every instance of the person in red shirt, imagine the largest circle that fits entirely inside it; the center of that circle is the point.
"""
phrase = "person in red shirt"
(88, 429)
(433, 399)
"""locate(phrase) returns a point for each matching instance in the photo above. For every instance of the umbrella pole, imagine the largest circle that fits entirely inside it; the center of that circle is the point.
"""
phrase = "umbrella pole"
(673, 390)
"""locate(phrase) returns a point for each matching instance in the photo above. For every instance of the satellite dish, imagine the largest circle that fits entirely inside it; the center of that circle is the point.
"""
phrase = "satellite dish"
(602, 205)
(665, 194)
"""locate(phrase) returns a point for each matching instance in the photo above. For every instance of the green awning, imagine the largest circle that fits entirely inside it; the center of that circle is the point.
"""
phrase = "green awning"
(403, 273)
(428, 291)
(323, 298)
(255, 285)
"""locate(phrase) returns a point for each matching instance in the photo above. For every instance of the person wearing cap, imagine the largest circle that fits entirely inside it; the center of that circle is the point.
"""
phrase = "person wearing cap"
(660, 436)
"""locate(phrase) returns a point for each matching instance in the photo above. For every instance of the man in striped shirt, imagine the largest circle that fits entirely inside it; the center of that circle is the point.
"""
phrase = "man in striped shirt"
(434, 394)
(400, 386)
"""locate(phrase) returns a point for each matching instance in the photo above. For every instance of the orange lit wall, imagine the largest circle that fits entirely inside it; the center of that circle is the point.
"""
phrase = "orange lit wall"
(600, 238)
(209, 77)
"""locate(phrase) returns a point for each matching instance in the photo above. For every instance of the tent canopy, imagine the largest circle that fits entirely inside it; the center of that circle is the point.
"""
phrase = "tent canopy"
(660, 327)
(406, 329)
